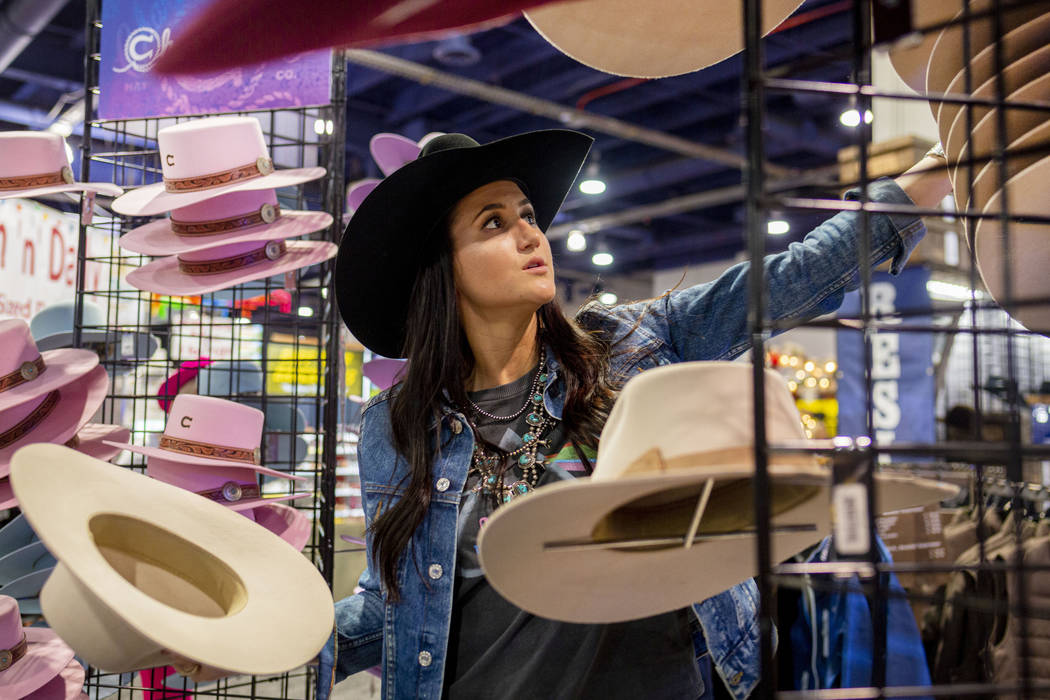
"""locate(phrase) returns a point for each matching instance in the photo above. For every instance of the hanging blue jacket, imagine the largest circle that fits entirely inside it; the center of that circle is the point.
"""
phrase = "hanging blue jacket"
(832, 639)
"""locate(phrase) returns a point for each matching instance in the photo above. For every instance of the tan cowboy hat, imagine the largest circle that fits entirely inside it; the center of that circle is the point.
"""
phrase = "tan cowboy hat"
(651, 39)
(666, 519)
(146, 569)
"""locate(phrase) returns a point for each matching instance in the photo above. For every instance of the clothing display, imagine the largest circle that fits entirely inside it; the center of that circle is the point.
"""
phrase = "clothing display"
(218, 601)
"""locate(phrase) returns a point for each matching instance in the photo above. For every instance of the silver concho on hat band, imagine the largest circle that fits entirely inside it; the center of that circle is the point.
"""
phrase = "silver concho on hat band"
(232, 491)
(274, 249)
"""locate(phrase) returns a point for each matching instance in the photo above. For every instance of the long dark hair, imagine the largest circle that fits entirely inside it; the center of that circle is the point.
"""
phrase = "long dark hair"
(440, 363)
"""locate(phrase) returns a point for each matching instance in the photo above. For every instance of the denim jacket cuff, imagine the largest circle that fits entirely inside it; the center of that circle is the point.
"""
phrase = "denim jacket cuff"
(909, 227)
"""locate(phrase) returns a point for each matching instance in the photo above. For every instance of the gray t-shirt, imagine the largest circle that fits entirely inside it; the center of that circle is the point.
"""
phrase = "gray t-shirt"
(497, 650)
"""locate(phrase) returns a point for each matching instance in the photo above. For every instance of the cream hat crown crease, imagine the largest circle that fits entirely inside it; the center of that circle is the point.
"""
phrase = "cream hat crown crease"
(146, 567)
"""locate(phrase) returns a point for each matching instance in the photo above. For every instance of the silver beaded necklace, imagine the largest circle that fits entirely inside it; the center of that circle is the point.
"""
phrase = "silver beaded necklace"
(539, 378)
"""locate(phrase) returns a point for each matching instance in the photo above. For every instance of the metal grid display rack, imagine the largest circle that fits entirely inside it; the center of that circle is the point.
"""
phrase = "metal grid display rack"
(287, 326)
(994, 361)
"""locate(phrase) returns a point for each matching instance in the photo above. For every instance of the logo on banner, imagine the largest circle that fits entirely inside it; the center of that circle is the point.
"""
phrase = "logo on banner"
(143, 47)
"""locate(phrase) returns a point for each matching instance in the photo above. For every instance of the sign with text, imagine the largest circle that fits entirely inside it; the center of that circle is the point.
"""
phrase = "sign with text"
(38, 258)
(136, 33)
(903, 391)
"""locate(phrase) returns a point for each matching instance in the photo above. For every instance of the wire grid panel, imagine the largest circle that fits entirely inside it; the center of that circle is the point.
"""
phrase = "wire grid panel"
(991, 362)
(270, 344)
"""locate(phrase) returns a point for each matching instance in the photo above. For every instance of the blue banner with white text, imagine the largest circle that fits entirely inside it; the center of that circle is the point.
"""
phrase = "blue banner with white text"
(903, 389)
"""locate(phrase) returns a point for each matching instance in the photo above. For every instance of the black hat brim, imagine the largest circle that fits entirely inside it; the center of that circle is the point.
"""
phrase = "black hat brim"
(383, 246)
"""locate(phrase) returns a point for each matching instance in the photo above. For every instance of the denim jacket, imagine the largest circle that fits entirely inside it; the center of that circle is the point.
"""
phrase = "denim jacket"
(704, 322)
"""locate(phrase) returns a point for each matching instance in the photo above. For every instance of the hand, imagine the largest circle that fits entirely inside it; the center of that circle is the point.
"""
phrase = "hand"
(927, 182)
(195, 671)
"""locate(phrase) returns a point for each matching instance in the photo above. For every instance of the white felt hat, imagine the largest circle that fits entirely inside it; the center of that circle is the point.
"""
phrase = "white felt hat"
(146, 568)
(612, 547)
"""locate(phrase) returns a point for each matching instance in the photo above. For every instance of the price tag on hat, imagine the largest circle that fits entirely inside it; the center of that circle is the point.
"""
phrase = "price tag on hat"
(849, 504)
(127, 345)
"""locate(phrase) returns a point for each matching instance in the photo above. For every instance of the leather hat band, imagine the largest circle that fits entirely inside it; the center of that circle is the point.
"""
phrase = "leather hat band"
(26, 425)
(27, 372)
(25, 182)
(232, 492)
(209, 450)
(9, 656)
(260, 168)
(267, 214)
(271, 251)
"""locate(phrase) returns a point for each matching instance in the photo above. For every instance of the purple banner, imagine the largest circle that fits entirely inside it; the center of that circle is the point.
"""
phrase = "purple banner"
(136, 32)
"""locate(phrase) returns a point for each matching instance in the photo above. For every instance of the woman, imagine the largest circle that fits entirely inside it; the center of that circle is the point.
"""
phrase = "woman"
(446, 263)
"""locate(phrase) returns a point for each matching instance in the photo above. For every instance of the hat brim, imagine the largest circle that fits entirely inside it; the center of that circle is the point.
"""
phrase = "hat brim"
(179, 458)
(145, 344)
(105, 189)
(45, 658)
(97, 440)
(154, 199)
(62, 367)
(77, 403)
(290, 524)
(602, 584)
(66, 685)
(650, 40)
(383, 245)
(63, 491)
(23, 561)
(157, 238)
(7, 495)
(163, 276)
(392, 151)
(27, 587)
(17, 532)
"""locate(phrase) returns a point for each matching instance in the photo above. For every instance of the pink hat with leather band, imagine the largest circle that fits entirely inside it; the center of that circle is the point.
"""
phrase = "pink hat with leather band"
(34, 163)
(234, 487)
(250, 215)
(44, 397)
(210, 432)
(205, 158)
(30, 657)
(65, 686)
(219, 267)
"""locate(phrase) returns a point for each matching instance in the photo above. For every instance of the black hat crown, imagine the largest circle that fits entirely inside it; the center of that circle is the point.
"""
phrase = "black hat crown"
(446, 142)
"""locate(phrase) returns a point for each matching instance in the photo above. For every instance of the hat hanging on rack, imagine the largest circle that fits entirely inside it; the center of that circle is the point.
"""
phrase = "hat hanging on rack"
(96, 440)
(186, 373)
(236, 25)
(668, 509)
(204, 158)
(146, 570)
(52, 327)
(32, 658)
(653, 39)
(44, 396)
(35, 163)
(251, 215)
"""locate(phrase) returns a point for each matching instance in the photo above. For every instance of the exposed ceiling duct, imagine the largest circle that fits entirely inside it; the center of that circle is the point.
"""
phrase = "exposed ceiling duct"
(20, 22)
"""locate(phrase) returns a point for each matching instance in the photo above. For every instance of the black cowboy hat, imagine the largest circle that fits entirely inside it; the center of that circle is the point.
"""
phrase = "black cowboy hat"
(382, 248)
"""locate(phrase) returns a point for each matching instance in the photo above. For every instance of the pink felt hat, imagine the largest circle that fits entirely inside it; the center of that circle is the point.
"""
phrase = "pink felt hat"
(30, 657)
(357, 191)
(186, 373)
(27, 374)
(204, 158)
(66, 685)
(290, 524)
(234, 487)
(7, 494)
(391, 151)
(384, 372)
(249, 215)
(96, 440)
(220, 267)
(34, 163)
(210, 432)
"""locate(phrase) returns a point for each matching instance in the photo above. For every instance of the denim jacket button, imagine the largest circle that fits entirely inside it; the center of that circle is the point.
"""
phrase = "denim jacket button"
(456, 425)
(737, 678)
(442, 484)
(425, 658)
(435, 571)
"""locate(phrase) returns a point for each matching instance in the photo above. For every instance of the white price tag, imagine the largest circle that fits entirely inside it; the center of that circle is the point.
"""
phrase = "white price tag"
(127, 345)
(849, 504)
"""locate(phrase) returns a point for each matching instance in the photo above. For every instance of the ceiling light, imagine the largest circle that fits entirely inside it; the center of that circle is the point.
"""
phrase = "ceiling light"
(577, 241)
(592, 182)
(602, 258)
(306, 311)
(319, 126)
(607, 298)
(329, 127)
(851, 117)
(778, 227)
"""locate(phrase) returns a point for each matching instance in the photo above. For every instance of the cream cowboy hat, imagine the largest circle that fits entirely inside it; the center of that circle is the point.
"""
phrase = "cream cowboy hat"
(651, 39)
(34, 163)
(204, 158)
(146, 568)
(666, 519)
